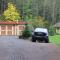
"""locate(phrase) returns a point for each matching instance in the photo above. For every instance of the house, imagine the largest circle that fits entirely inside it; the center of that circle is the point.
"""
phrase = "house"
(57, 27)
(11, 28)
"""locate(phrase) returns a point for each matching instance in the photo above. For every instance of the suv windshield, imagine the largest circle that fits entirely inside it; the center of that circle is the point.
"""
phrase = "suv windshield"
(42, 30)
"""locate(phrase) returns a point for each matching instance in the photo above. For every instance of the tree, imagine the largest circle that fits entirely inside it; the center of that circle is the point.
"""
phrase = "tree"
(11, 14)
(39, 22)
(26, 8)
(3, 5)
(49, 9)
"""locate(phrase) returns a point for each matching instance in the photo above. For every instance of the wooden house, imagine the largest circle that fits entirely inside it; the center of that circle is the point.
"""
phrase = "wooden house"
(11, 28)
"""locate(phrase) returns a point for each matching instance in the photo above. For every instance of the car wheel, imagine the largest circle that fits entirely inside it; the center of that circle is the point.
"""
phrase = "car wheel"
(33, 40)
(46, 40)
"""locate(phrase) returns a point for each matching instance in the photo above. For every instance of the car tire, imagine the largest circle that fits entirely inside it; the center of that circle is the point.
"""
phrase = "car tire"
(47, 40)
(33, 39)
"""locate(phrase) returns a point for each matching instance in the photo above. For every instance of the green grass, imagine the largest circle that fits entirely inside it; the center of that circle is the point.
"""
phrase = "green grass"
(55, 39)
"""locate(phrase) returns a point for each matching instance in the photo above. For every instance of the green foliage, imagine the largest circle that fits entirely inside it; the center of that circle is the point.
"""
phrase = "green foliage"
(55, 39)
(39, 22)
(26, 9)
(2, 18)
(49, 9)
(11, 14)
(26, 32)
(52, 31)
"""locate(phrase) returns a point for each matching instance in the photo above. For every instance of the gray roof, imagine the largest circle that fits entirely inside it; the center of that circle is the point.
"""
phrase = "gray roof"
(57, 24)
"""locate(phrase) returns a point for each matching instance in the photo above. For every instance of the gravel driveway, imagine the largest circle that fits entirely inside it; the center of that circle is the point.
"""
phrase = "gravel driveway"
(12, 48)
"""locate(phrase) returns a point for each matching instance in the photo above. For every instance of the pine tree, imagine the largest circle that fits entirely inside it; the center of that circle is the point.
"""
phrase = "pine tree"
(11, 14)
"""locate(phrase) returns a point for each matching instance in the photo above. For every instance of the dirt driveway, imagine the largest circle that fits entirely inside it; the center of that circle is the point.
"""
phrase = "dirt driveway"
(12, 48)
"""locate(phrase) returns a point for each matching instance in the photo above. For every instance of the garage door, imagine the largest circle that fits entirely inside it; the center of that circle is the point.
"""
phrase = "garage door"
(2, 30)
(7, 30)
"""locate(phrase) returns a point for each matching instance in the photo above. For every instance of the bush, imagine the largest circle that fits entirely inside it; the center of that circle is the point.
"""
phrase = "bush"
(52, 32)
(26, 33)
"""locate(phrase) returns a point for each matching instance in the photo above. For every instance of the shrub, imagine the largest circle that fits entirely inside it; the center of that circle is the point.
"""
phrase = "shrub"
(26, 33)
(52, 32)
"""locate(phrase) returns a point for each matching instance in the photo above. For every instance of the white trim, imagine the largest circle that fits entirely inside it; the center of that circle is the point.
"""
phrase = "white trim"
(15, 33)
(15, 30)
(12, 30)
(6, 30)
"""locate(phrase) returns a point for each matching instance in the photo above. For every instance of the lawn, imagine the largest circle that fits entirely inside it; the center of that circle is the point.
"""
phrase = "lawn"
(55, 39)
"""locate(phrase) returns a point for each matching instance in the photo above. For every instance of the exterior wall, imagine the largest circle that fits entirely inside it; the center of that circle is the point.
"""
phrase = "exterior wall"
(11, 29)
